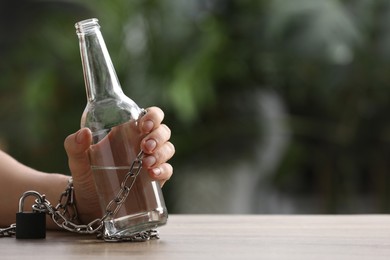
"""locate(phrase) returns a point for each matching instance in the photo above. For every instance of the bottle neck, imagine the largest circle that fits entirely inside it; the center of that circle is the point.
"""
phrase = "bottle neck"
(100, 78)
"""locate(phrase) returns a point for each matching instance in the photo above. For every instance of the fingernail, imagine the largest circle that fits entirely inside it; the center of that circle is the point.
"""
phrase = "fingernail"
(150, 145)
(80, 136)
(156, 171)
(147, 126)
(149, 161)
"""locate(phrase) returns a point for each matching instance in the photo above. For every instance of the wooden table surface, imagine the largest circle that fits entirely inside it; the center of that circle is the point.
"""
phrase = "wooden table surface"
(226, 237)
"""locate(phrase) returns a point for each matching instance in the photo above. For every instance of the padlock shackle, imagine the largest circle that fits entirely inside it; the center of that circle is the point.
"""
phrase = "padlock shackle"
(29, 193)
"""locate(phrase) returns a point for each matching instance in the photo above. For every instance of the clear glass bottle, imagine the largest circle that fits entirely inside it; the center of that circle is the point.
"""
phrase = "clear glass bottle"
(112, 118)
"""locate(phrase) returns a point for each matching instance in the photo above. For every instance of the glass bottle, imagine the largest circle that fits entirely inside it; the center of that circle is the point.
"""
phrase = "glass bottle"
(112, 118)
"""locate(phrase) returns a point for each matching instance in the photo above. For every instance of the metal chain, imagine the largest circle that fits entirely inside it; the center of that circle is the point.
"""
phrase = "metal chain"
(65, 213)
(9, 231)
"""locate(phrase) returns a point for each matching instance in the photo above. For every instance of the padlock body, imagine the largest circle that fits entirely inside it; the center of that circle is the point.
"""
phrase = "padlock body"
(30, 225)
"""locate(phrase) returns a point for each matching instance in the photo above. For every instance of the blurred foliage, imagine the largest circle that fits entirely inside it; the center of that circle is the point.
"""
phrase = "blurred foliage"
(201, 61)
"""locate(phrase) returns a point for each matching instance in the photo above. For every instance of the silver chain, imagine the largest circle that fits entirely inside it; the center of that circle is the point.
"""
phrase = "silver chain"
(8, 232)
(65, 213)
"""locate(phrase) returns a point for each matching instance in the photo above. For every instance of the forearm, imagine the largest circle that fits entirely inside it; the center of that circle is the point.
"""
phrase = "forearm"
(17, 178)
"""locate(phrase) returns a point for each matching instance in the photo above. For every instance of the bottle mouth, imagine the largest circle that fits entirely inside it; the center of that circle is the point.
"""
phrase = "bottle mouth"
(85, 26)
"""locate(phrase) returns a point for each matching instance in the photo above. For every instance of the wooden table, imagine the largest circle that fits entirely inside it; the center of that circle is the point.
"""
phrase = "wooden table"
(226, 237)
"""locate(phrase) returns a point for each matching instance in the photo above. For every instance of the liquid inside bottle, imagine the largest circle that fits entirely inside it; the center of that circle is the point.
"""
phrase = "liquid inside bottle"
(111, 159)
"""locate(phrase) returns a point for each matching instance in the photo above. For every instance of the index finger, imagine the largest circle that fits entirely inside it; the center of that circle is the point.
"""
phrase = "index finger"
(151, 120)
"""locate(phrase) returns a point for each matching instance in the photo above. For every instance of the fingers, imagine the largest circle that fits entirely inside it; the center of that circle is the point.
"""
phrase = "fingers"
(159, 156)
(156, 146)
(76, 146)
(155, 139)
(156, 163)
(162, 173)
(151, 120)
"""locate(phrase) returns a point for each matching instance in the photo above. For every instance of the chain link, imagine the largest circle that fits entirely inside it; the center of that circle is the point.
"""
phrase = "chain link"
(64, 214)
(9, 231)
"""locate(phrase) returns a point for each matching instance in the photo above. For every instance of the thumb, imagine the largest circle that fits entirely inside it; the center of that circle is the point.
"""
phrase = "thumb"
(76, 146)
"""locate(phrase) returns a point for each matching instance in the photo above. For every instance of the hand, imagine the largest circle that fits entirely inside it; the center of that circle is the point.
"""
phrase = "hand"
(156, 146)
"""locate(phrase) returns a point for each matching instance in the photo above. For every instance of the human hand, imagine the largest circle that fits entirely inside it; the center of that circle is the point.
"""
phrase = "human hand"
(157, 151)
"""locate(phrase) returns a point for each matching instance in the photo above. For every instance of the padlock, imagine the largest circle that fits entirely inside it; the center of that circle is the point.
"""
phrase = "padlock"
(30, 225)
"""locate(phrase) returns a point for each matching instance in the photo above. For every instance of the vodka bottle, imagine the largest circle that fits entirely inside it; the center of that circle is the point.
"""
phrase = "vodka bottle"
(112, 118)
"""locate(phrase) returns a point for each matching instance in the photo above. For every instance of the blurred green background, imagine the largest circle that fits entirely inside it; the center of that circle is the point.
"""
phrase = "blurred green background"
(275, 106)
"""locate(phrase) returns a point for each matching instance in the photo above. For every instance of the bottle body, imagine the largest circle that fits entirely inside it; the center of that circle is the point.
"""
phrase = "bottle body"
(111, 156)
(112, 118)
